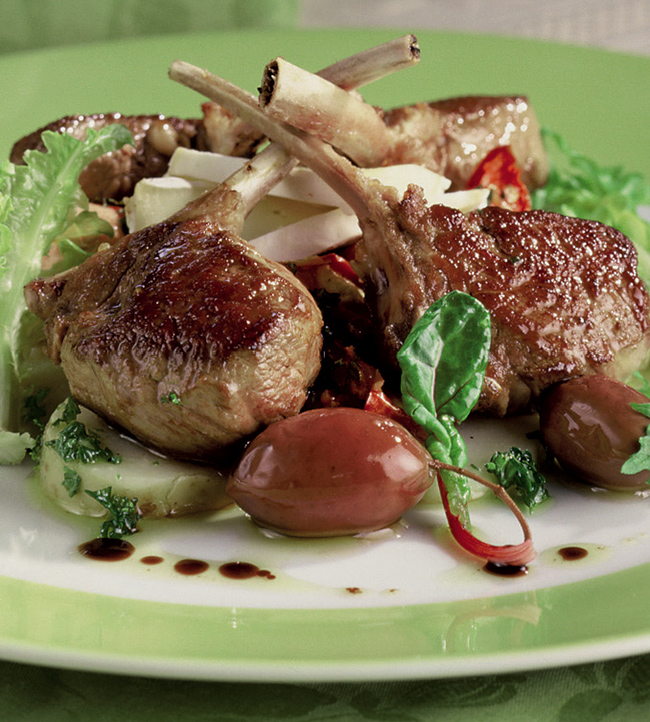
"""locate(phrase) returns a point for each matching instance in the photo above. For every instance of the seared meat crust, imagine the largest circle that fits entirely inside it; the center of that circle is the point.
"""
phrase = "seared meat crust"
(114, 175)
(563, 293)
(183, 308)
(453, 136)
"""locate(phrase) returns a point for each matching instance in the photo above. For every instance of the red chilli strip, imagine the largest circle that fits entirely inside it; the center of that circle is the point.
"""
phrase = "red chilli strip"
(378, 403)
(339, 265)
(499, 172)
(511, 554)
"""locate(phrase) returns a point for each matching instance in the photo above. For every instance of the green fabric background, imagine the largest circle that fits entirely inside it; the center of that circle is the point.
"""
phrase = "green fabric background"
(30, 24)
(615, 691)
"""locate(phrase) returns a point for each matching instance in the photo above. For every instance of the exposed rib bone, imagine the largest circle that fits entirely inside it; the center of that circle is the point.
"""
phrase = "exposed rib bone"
(253, 181)
(321, 108)
(282, 81)
(373, 64)
(314, 153)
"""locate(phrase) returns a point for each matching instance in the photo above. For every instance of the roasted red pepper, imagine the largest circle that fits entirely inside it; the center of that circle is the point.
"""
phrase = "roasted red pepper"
(499, 172)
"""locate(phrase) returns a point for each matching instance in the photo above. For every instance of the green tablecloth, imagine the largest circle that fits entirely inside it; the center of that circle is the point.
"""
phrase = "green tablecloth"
(31, 24)
(614, 691)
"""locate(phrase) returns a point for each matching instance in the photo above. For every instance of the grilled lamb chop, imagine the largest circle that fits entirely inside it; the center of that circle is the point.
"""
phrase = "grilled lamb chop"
(185, 311)
(450, 136)
(563, 293)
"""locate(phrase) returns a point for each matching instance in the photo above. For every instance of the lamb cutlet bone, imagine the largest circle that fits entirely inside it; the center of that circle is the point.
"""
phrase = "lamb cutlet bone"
(449, 136)
(186, 311)
(563, 293)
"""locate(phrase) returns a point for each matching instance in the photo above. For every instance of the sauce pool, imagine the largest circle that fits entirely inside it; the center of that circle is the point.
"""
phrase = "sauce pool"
(107, 550)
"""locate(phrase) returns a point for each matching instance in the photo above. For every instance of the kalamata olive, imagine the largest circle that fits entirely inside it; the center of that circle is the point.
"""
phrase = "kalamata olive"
(590, 427)
(330, 472)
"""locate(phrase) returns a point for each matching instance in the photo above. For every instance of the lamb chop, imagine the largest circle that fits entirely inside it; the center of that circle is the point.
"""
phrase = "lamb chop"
(113, 176)
(448, 136)
(182, 333)
(563, 293)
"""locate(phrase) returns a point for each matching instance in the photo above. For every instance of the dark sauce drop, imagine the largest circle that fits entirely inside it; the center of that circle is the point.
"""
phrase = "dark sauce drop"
(244, 570)
(191, 567)
(107, 550)
(572, 554)
(152, 560)
(506, 570)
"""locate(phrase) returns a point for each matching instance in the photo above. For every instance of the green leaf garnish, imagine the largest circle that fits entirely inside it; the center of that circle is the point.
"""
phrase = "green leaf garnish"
(35, 207)
(71, 481)
(443, 363)
(124, 513)
(516, 469)
(76, 443)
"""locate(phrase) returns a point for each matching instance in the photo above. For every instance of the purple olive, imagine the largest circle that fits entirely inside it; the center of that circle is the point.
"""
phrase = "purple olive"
(589, 426)
(330, 472)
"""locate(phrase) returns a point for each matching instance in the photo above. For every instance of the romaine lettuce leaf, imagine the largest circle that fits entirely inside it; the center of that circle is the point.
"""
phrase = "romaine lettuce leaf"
(35, 206)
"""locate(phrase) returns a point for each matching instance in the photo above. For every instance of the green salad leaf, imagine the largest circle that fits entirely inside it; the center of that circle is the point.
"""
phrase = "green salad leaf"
(443, 363)
(35, 206)
(640, 460)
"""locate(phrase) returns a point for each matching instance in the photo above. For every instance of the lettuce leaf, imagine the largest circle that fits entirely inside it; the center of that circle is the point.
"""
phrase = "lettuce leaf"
(35, 207)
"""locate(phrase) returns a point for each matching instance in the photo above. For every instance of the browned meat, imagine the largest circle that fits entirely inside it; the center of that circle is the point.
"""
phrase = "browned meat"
(563, 293)
(187, 311)
(184, 311)
(113, 176)
(452, 136)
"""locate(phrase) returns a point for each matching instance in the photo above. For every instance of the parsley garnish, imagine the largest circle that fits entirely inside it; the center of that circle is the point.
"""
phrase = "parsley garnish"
(124, 513)
(517, 468)
(171, 398)
(34, 410)
(71, 481)
(76, 443)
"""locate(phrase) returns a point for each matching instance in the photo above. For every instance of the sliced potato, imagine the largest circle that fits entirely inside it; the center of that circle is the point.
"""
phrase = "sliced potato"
(163, 487)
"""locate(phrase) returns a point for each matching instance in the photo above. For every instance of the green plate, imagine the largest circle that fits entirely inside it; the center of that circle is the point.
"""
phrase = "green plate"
(57, 611)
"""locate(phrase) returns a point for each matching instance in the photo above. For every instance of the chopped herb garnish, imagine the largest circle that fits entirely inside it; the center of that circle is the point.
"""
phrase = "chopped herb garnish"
(516, 468)
(171, 398)
(35, 412)
(71, 481)
(76, 443)
(124, 513)
(70, 412)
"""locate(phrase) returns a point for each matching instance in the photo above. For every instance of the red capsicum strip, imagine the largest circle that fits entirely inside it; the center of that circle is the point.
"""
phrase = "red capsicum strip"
(510, 554)
(499, 172)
